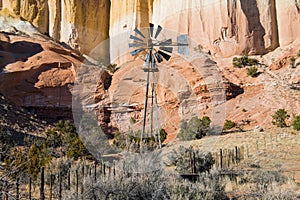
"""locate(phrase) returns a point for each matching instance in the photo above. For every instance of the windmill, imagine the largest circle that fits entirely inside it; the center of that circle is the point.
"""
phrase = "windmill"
(154, 51)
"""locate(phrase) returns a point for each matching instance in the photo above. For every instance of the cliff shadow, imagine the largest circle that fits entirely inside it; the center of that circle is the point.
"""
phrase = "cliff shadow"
(17, 51)
(256, 30)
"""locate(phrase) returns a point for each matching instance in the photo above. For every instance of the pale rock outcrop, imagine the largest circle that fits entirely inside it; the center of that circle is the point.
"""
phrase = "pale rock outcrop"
(35, 12)
(125, 15)
(80, 24)
(224, 27)
(288, 15)
(84, 24)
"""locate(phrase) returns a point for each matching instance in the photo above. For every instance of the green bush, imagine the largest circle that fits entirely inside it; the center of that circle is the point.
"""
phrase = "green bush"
(195, 128)
(244, 61)
(292, 62)
(253, 72)
(229, 124)
(112, 68)
(188, 161)
(280, 117)
(296, 123)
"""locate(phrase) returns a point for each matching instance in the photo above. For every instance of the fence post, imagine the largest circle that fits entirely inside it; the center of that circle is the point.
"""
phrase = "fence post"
(42, 186)
(236, 155)
(51, 185)
(247, 151)
(95, 171)
(29, 188)
(82, 179)
(76, 181)
(17, 189)
(6, 190)
(221, 159)
(60, 185)
(69, 178)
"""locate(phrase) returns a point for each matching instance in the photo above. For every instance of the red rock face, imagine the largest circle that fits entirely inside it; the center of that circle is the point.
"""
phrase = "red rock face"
(36, 73)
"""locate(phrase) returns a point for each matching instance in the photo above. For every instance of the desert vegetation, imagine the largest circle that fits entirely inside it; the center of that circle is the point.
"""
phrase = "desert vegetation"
(244, 61)
(195, 128)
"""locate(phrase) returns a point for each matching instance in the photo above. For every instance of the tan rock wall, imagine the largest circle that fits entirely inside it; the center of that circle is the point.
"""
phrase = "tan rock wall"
(288, 16)
(81, 24)
(224, 27)
(125, 15)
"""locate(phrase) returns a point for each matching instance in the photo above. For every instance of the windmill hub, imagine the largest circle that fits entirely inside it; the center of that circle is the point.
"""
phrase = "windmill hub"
(150, 43)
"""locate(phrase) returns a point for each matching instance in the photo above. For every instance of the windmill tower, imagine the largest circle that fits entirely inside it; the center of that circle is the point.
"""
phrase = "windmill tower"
(152, 50)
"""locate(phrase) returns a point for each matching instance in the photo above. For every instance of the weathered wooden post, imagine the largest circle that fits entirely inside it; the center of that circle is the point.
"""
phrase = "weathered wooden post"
(95, 171)
(247, 151)
(236, 155)
(76, 181)
(221, 159)
(42, 186)
(17, 189)
(82, 179)
(69, 177)
(29, 188)
(60, 185)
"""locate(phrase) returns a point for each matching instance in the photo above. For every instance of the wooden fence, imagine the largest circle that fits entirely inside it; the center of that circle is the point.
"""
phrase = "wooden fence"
(226, 158)
(51, 185)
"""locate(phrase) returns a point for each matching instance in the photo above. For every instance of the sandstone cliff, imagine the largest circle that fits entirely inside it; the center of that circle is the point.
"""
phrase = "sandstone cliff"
(81, 24)
(224, 27)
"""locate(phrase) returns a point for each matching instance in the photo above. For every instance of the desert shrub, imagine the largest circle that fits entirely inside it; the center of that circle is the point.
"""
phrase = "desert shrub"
(229, 124)
(296, 123)
(188, 160)
(112, 68)
(151, 185)
(253, 72)
(195, 128)
(292, 62)
(280, 117)
(298, 53)
(63, 137)
(244, 61)
(131, 141)
(265, 185)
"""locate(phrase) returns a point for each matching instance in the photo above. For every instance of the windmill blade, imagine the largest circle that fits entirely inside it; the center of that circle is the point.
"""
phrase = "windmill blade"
(151, 27)
(167, 49)
(165, 43)
(158, 30)
(158, 57)
(133, 53)
(139, 32)
(135, 45)
(163, 54)
(135, 38)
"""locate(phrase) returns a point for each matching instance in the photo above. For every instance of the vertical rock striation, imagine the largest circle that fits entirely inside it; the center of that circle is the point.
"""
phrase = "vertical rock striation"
(225, 27)
(80, 24)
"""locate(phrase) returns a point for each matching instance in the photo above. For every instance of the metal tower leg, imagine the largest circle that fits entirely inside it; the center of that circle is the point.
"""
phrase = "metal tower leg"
(145, 105)
(156, 113)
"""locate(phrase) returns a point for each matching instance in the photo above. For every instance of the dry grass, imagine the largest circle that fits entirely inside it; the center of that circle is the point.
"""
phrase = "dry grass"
(273, 149)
